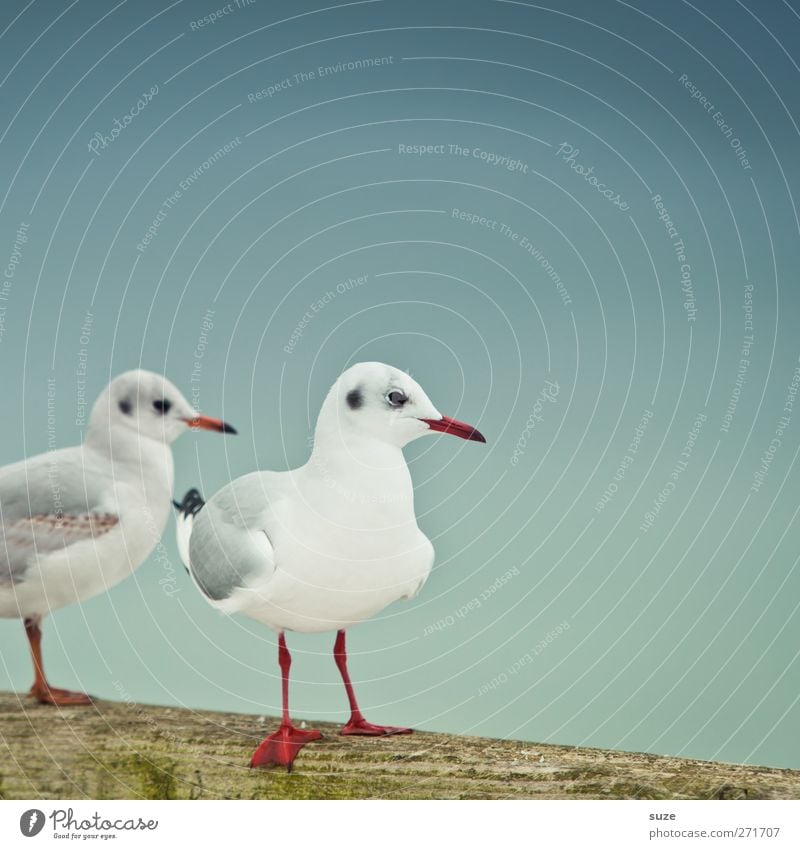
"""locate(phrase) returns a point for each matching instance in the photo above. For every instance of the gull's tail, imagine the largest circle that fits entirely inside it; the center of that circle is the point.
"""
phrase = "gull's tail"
(187, 509)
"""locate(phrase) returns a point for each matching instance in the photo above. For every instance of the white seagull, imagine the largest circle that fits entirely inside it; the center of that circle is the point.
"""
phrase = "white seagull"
(326, 545)
(76, 521)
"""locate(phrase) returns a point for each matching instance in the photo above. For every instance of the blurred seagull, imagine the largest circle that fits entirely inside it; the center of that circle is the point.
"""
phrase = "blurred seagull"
(76, 521)
(329, 544)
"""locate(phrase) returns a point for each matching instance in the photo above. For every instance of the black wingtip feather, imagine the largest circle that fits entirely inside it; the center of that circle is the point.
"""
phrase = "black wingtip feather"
(192, 503)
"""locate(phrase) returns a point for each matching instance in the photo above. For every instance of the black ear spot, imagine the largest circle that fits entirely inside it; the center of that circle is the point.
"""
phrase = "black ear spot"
(126, 406)
(162, 406)
(354, 399)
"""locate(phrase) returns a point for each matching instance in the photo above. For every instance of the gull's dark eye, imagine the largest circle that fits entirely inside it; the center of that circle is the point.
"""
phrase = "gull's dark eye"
(163, 407)
(396, 398)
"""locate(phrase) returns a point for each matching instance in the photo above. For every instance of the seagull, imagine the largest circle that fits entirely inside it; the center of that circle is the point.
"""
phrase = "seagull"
(76, 521)
(327, 545)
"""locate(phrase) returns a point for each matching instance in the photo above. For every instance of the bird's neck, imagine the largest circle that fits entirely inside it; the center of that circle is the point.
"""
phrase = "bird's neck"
(361, 469)
(142, 461)
(350, 449)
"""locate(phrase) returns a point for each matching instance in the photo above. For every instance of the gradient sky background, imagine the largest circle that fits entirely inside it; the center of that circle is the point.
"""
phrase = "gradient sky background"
(682, 638)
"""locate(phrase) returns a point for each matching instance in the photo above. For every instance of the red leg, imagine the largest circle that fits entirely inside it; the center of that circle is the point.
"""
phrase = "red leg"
(281, 748)
(41, 690)
(357, 725)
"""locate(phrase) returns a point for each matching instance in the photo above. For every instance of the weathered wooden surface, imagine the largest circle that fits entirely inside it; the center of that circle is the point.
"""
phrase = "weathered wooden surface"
(118, 750)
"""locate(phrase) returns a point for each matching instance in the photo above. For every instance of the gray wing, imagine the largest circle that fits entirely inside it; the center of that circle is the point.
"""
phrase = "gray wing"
(46, 504)
(229, 546)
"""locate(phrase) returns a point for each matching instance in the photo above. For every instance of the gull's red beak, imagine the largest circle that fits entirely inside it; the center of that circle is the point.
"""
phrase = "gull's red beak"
(447, 425)
(207, 423)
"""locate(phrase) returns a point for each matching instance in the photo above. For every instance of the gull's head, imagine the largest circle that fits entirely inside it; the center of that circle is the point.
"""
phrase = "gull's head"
(382, 402)
(149, 405)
